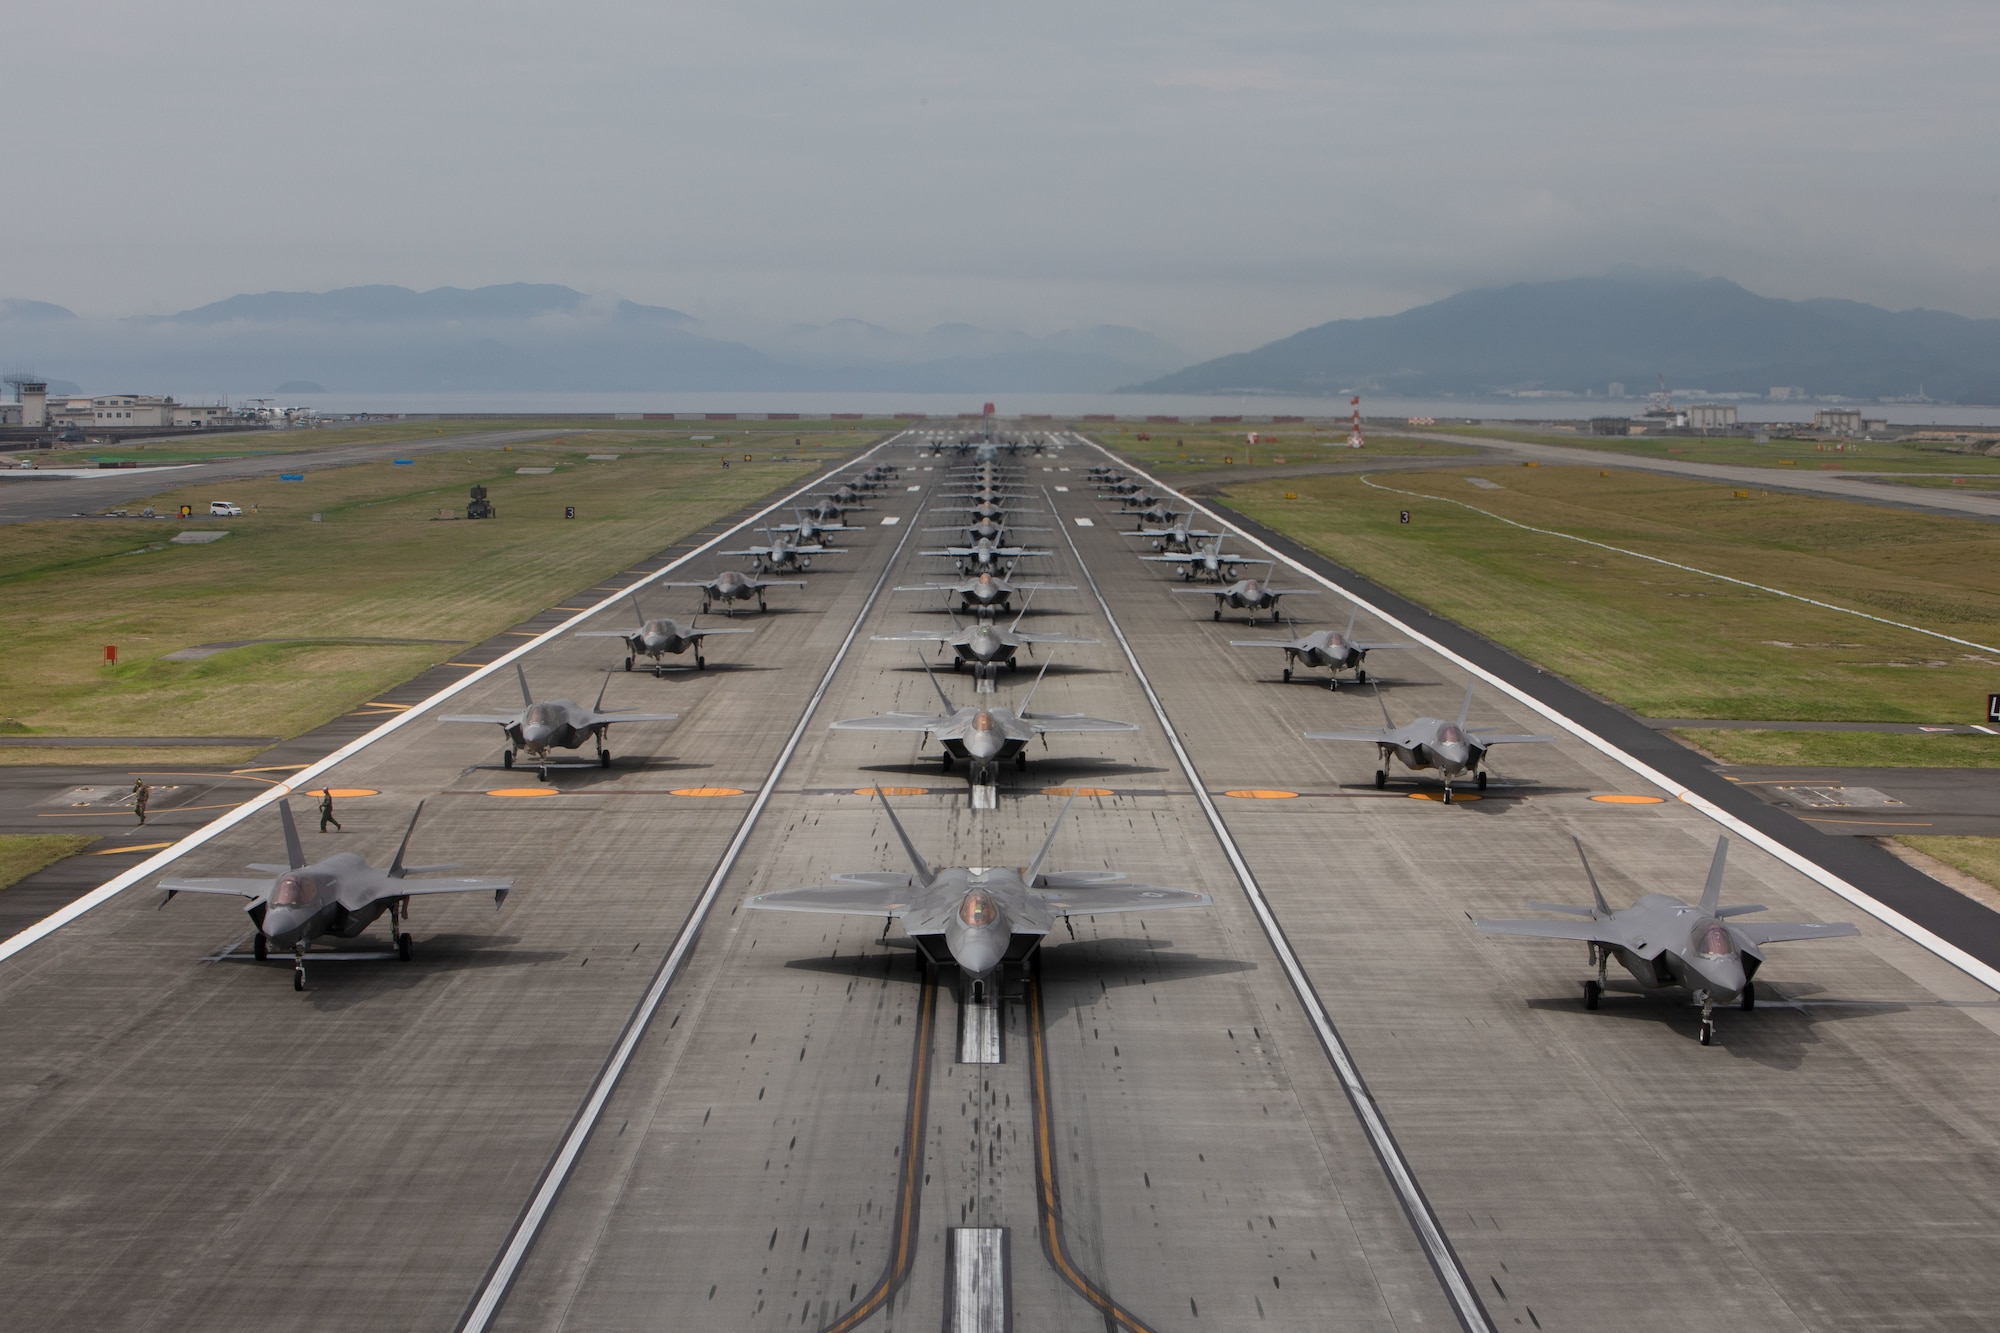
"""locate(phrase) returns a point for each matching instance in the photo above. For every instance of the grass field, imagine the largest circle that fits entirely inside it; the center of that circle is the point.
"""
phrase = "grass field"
(1978, 857)
(377, 566)
(1668, 643)
(1915, 456)
(1174, 447)
(22, 854)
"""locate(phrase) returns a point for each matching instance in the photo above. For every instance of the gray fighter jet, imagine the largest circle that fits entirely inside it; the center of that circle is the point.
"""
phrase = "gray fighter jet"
(1149, 513)
(1206, 565)
(986, 591)
(979, 919)
(1431, 742)
(847, 497)
(339, 895)
(826, 511)
(658, 638)
(558, 724)
(1176, 536)
(984, 737)
(985, 555)
(1120, 488)
(983, 644)
(784, 553)
(1336, 650)
(735, 586)
(987, 530)
(808, 530)
(1664, 942)
(1251, 595)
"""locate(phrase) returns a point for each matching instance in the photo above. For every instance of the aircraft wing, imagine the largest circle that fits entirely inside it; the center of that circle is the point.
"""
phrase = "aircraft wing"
(598, 719)
(1052, 638)
(704, 633)
(1770, 932)
(820, 550)
(757, 583)
(1596, 932)
(240, 888)
(1296, 645)
(1371, 647)
(1086, 901)
(606, 633)
(499, 888)
(893, 722)
(1487, 738)
(848, 899)
(1060, 722)
(755, 550)
(1379, 735)
(504, 719)
(914, 636)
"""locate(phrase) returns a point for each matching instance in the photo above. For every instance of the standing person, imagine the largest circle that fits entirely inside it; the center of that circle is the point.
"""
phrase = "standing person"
(326, 811)
(140, 793)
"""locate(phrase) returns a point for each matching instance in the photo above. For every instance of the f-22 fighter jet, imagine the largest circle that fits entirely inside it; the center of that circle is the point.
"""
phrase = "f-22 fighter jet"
(1431, 742)
(733, 585)
(557, 724)
(1336, 650)
(983, 918)
(985, 592)
(782, 552)
(340, 895)
(658, 638)
(1663, 941)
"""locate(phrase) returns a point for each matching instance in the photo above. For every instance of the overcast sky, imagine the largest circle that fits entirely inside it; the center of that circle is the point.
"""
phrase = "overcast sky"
(1219, 174)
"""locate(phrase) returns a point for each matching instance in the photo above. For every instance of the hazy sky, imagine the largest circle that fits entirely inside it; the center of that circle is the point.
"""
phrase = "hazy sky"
(1220, 174)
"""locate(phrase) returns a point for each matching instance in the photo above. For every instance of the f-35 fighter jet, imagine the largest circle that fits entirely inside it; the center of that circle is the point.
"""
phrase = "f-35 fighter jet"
(1176, 536)
(986, 592)
(808, 530)
(984, 644)
(658, 638)
(784, 553)
(1207, 564)
(1431, 742)
(1336, 650)
(1252, 595)
(979, 919)
(984, 738)
(985, 555)
(340, 895)
(1663, 941)
(558, 724)
(735, 586)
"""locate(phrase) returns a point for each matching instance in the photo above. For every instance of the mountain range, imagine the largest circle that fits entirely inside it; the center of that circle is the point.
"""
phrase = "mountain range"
(539, 336)
(1630, 327)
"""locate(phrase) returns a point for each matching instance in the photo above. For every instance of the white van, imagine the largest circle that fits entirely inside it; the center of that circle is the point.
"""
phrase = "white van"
(224, 509)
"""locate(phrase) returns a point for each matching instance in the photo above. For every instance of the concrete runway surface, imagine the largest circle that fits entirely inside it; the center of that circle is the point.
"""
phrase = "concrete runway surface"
(1323, 1102)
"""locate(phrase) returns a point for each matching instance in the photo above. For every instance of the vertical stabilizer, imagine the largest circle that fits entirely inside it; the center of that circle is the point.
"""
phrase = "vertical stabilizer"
(295, 851)
(396, 866)
(527, 699)
(943, 698)
(1596, 894)
(1035, 866)
(1029, 698)
(1711, 892)
(923, 869)
(1465, 709)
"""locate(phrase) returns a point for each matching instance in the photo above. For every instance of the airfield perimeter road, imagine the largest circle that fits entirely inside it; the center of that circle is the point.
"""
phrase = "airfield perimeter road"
(187, 1144)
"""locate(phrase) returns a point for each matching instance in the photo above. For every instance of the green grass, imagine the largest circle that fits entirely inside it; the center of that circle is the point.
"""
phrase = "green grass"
(1977, 857)
(1174, 448)
(376, 567)
(1845, 749)
(1667, 643)
(1916, 456)
(22, 854)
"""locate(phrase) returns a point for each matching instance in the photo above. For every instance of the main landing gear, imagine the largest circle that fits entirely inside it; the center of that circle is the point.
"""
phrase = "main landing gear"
(1288, 675)
(1748, 1000)
(506, 759)
(404, 946)
(1480, 778)
(628, 661)
(700, 662)
(260, 948)
(1218, 613)
(603, 757)
(1381, 778)
(1593, 990)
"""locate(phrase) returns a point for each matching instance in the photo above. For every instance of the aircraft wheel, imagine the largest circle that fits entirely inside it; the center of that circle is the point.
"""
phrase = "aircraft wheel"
(1482, 779)
(1707, 1035)
(704, 608)
(604, 758)
(700, 662)
(506, 759)
(1381, 778)
(1288, 675)
(542, 773)
(1447, 793)
(1333, 682)
(298, 978)
(1274, 615)
(1749, 999)
(1218, 613)
(1593, 991)
(761, 608)
(260, 947)
(404, 946)
(1360, 676)
(945, 758)
(628, 663)
(956, 663)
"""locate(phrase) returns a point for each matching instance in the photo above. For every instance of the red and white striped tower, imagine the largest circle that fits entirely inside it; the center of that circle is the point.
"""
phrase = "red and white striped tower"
(1354, 429)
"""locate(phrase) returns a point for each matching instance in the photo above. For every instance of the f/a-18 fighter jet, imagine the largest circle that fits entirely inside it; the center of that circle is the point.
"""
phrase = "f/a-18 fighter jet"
(979, 529)
(1252, 595)
(658, 638)
(1176, 535)
(340, 895)
(1122, 487)
(984, 644)
(1336, 650)
(985, 555)
(1431, 742)
(1206, 564)
(979, 919)
(984, 738)
(847, 497)
(1665, 942)
(784, 553)
(732, 585)
(1151, 513)
(986, 591)
(826, 512)
(558, 724)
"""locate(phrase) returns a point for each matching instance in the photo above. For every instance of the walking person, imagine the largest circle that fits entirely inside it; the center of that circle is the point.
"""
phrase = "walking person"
(326, 811)
(140, 793)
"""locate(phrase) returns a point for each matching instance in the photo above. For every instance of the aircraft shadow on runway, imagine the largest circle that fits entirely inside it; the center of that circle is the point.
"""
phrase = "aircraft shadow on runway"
(678, 670)
(1074, 972)
(571, 775)
(1498, 798)
(1025, 674)
(1040, 773)
(335, 982)
(1777, 1034)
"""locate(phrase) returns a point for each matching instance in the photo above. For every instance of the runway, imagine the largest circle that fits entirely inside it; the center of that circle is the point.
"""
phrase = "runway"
(1271, 1112)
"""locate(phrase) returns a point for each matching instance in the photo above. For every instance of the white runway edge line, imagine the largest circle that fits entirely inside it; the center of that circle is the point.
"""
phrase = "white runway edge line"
(1437, 1247)
(1687, 569)
(494, 1290)
(110, 889)
(1888, 916)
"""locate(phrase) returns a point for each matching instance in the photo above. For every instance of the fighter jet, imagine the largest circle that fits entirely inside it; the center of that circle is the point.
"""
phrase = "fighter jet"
(986, 591)
(984, 644)
(657, 638)
(1430, 742)
(984, 737)
(733, 585)
(1663, 942)
(558, 724)
(1176, 536)
(987, 530)
(1150, 513)
(985, 555)
(826, 511)
(1206, 565)
(979, 919)
(1251, 595)
(1120, 487)
(847, 497)
(1336, 650)
(808, 530)
(340, 895)
(784, 553)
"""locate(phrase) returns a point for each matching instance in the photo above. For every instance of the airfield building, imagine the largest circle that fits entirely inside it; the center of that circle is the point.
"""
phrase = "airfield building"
(1712, 416)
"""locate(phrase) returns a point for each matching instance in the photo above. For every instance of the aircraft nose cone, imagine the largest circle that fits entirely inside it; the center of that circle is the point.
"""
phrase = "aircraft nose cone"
(1451, 754)
(984, 744)
(979, 952)
(1724, 975)
(536, 736)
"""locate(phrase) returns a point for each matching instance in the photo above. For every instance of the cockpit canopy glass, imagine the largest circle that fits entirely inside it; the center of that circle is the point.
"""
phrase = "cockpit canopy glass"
(545, 715)
(299, 890)
(1449, 734)
(979, 909)
(1711, 940)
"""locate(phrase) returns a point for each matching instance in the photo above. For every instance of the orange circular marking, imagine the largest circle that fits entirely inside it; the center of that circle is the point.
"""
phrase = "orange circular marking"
(1620, 798)
(347, 793)
(706, 791)
(1261, 794)
(1078, 791)
(893, 791)
(524, 791)
(1456, 796)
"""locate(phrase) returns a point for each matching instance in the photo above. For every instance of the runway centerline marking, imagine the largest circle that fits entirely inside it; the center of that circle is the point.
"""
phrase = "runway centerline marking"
(1402, 1177)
